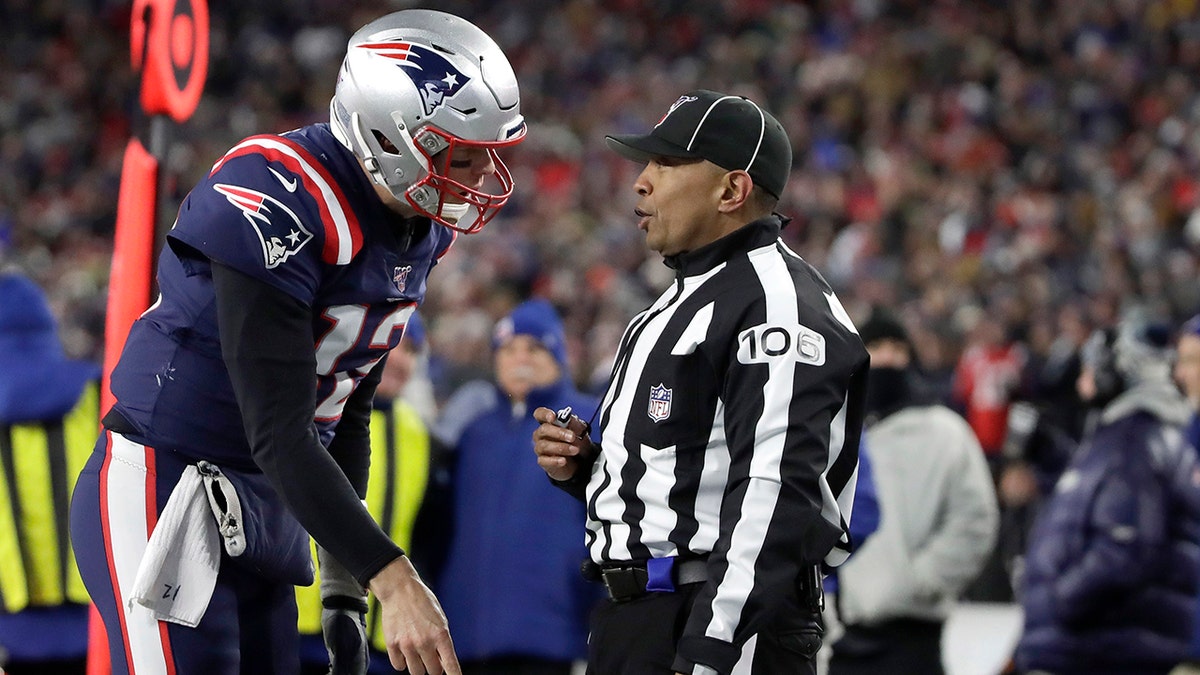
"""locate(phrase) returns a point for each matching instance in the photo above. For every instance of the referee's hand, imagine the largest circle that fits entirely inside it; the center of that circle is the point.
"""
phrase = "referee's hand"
(559, 449)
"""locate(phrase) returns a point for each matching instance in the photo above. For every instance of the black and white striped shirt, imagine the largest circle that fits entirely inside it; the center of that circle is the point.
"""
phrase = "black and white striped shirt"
(730, 428)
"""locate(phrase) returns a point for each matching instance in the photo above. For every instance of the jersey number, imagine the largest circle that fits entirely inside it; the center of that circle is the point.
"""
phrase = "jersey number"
(335, 385)
(763, 344)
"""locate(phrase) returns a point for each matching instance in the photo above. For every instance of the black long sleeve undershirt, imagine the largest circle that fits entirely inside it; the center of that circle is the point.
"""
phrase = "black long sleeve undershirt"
(351, 445)
(267, 345)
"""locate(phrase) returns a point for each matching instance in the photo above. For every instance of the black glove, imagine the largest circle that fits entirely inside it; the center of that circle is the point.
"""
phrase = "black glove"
(344, 617)
(344, 626)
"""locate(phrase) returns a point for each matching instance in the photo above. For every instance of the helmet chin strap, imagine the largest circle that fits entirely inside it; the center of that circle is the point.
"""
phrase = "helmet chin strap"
(454, 212)
(425, 199)
(368, 159)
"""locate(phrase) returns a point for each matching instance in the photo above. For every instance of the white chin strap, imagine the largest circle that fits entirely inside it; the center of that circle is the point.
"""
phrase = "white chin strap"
(454, 212)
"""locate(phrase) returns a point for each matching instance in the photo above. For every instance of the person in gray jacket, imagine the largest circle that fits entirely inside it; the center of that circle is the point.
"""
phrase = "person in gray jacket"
(938, 519)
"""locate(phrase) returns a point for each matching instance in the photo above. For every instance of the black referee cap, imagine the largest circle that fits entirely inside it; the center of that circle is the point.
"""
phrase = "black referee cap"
(729, 131)
(883, 325)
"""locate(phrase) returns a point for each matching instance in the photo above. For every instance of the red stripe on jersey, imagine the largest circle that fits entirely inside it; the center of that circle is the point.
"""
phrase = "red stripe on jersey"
(168, 655)
(341, 243)
(151, 521)
(151, 492)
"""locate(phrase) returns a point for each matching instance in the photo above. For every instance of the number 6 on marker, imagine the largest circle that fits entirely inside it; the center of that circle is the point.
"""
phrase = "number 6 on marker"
(763, 344)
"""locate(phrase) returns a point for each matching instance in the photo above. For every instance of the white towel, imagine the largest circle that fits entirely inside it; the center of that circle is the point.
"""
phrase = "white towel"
(178, 573)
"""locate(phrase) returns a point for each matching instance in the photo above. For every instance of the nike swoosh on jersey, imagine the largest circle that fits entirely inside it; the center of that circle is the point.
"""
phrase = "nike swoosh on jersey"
(290, 186)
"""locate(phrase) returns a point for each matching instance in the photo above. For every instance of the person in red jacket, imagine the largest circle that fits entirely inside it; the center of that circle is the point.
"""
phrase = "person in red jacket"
(987, 376)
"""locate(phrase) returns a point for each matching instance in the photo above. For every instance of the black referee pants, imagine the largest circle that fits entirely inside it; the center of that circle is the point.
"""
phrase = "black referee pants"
(638, 637)
(898, 647)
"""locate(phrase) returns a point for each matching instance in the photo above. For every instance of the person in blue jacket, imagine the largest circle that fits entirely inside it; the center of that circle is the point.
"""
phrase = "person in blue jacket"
(49, 409)
(1111, 573)
(1187, 376)
(510, 583)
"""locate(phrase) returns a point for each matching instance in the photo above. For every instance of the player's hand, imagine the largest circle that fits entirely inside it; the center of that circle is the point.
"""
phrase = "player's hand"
(560, 449)
(415, 628)
(343, 624)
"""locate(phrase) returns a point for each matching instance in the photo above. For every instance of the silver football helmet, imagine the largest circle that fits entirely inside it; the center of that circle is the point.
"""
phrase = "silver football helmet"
(420, 82)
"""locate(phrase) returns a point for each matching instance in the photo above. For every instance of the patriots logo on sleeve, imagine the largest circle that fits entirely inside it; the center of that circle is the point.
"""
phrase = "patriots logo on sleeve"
(279, 230)
(431, 73)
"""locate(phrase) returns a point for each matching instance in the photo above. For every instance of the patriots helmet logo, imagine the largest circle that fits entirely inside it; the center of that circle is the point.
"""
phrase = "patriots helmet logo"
(431, 73)
(279, 231)
(660, 403)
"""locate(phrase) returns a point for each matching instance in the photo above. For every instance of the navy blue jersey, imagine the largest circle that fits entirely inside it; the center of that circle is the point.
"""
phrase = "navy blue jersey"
(297, 212)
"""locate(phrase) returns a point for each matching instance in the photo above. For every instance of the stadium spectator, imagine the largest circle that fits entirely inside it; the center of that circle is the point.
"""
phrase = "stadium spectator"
(510, 583)
(49, 409)
(938, 526)
(1187, 376)
(987, 379)
(1113, 569)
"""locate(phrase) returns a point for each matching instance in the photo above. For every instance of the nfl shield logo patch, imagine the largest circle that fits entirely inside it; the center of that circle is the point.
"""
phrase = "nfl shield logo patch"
(660, 403)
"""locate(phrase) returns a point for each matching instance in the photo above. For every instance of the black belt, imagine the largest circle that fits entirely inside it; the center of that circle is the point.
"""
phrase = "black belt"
(634, 579)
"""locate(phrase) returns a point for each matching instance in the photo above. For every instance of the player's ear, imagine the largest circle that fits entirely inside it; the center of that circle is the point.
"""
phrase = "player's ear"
(735, 191)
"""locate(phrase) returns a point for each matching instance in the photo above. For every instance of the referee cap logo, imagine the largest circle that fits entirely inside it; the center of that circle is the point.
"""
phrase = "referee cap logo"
(682, 99)
(729, 131)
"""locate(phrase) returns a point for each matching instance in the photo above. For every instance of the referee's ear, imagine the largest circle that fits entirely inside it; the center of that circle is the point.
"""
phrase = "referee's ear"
(737, 190)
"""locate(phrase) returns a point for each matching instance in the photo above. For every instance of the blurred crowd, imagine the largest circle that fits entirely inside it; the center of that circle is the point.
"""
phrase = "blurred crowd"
(1002, 173)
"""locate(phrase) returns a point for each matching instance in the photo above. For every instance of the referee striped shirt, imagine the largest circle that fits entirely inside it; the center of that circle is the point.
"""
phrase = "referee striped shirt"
(730, 428)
